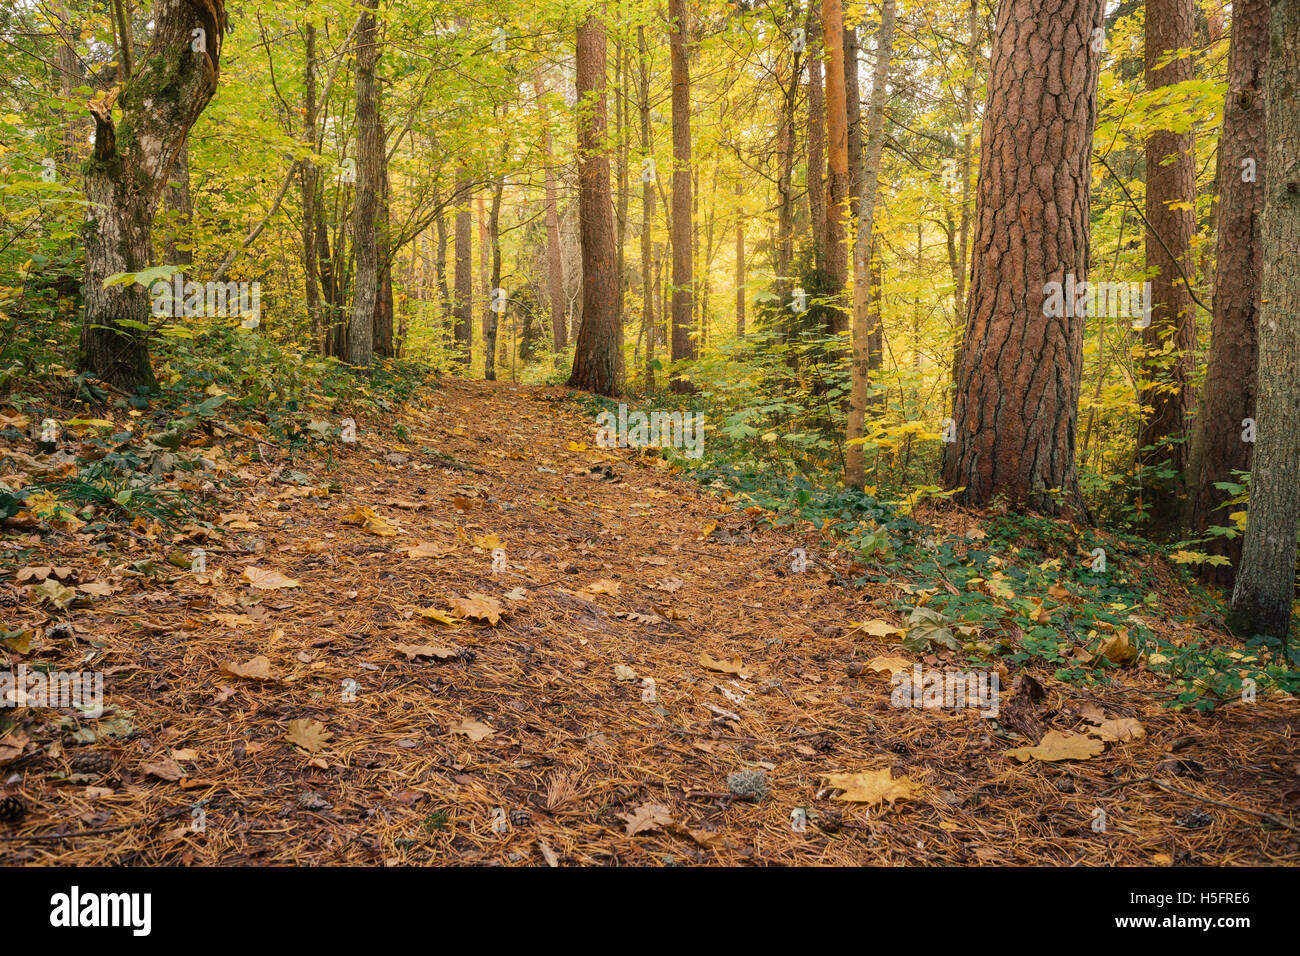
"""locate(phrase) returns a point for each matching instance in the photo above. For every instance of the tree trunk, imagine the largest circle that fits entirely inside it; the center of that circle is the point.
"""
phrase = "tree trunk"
(493, 317)
(1265, 589)
(554, 255)
(464, 280)
(309, 179)
(684, 346)
(740, 256)
(383, 244)
(1228, 396)
(837, 148)
(855, 466)
(647, 207)
(1017, 396)
(1171, 218)
(370, 159)
(595, 359)
(127, 174)
(177, 248)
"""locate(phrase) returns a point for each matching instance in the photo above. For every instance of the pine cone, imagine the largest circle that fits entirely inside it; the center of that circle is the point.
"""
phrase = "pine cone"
(520, 818)
(92, 762)
(12, 808)
(830, 821)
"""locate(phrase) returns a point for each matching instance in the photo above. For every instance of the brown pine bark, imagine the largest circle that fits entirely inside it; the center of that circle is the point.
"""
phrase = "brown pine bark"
(1171, 219)
(684, 346)
(365, 214)
(125, 178)
(647, 206)
(1264, 593)
(1017, 395)
(595, 358)
(837, 150)
(1228, 396)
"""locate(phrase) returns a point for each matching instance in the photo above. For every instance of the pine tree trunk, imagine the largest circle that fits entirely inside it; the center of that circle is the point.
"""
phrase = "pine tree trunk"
(464, 279)
(127, 174)
(370, 158)
(1017, 396)
(554, 256)
(595, 359)
(493, 316)
(1170, 213)
(308, 180)
(684, 346)
(837, 149)
(647, 206)
(1228, 396)
(1265, 589)
(855, 466)
(816, 140)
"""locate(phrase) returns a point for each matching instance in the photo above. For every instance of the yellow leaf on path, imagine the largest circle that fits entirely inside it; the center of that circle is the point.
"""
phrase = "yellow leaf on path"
(1060, 746)
(894, 665)
(265, 579)
(871, 786)
(308, 734)
(734, 666)
(603, 586)
(1118, 649)
(472, 729)
(259, 668)
(488, 542)
(372, 523)
(648, 816)
(478, 607)
(438, 617)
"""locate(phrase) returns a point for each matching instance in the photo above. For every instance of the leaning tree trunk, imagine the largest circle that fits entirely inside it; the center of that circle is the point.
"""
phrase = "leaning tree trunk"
(1220, 444)
(595, 358)
(1265, 588)
(1171, 221)
(370, 160)
(127, 174)
(684, 346)
(1017, 399)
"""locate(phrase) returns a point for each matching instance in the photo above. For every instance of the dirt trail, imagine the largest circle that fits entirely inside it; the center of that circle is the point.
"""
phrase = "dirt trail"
(614, 568)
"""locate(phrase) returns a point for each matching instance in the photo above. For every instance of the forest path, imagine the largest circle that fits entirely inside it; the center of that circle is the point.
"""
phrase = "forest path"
(534, 739)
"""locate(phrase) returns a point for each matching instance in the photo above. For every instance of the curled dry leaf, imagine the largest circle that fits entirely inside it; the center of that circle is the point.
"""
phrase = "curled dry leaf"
(648, 816)
(372, 523)
(1121, 728)
(603, 586)
(412, 651)
(438, 617)
(164, 768)
(734, 666)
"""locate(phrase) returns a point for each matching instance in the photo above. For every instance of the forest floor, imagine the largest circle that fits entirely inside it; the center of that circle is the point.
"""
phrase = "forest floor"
(293, 705)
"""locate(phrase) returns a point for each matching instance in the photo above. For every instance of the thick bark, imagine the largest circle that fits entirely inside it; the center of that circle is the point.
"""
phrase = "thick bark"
(854, 463)
(595, 359)
(816, 183)
(1017, 397)
(684, 345)
(1228, 396)
(1265, 588)
(554, 256)
(370, 159)
(1171, 218)
(463, 308)
(837, 150)
(126, 176)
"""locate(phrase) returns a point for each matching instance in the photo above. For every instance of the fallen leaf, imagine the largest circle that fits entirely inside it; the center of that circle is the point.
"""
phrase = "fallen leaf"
(623, 672)
(1060, 746)
(894, 665)
(259, 668)
(165, 768)
(472, 729)
(876, 628)
(1118, 649)
(648, 816)
(478, 607)
(872, 786)
(734, 666)
(308, 734)
(426, 550)
(265, 579)
(438, 617)
(603, 586)
(412, 651)
(97, 588)
(55, 593)
(372, 523)
(12, 746)
(1121, 728)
